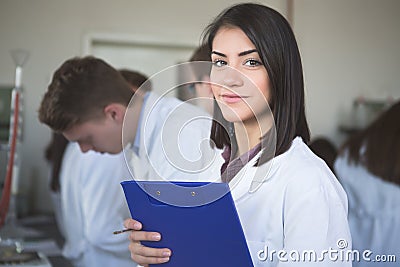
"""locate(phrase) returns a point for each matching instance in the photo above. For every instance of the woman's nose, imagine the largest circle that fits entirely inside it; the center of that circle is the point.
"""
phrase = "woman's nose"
(231, 77)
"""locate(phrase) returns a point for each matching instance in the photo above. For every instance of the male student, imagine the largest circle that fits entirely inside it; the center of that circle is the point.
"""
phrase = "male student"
(89, 200)
(87, 100)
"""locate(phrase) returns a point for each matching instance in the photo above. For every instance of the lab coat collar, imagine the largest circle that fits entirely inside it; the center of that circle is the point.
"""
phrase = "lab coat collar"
(136, 142)
(249, 179)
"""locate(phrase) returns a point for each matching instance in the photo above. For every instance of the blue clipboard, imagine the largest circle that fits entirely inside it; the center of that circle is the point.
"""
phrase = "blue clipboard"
(197, 221)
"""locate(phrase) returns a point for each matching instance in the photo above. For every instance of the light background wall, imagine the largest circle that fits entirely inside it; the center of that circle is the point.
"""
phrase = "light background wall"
(349, 48)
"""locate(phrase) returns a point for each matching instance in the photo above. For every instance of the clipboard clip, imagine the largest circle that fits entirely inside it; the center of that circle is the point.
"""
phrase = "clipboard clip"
(193, 193)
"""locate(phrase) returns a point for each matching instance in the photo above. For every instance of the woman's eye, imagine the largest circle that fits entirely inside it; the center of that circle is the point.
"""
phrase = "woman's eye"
(252, 63)
(219, 63)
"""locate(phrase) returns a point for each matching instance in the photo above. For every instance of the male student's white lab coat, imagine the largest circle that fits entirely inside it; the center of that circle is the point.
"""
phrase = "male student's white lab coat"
(374, 213)
(298, 205)
(93, 206)
(174, 143)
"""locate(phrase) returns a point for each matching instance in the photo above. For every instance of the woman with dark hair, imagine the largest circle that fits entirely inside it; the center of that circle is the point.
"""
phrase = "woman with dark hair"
(286, 197)
(54, 154)
(368, 167)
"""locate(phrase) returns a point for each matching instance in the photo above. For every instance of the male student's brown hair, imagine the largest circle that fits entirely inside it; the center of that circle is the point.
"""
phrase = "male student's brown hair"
(80, 90)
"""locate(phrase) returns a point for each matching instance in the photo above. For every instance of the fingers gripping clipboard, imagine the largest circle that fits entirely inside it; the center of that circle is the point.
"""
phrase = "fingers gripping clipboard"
(197, 221)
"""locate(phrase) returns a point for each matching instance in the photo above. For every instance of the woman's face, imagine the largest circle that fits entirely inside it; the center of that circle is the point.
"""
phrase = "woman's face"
(242, 89)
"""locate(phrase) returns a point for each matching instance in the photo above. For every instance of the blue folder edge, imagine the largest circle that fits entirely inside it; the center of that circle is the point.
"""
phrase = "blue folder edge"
(197, 221)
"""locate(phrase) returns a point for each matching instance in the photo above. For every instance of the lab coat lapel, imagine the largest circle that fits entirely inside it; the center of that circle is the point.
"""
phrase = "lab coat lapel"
(240, 184)
(250, 178)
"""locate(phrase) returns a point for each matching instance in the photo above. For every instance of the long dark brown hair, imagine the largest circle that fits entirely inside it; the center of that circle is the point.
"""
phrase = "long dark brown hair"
(54, 154)
(377, 147)
(276, 44)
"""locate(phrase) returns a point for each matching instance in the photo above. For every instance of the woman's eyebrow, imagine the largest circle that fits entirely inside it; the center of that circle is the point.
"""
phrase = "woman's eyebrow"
(218, 53)
(244, 53)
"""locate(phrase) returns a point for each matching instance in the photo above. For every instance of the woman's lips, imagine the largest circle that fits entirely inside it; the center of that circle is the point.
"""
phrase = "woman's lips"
(231, 98)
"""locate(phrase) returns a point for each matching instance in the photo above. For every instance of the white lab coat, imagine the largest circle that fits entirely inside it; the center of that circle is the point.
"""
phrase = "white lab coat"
(93, 206)
(374, 211)
(174, 143)
(298, 206)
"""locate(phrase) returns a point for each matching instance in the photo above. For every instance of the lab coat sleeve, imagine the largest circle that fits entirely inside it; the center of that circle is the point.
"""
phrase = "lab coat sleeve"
(104, 210)
(71, 208)
(315, 221)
